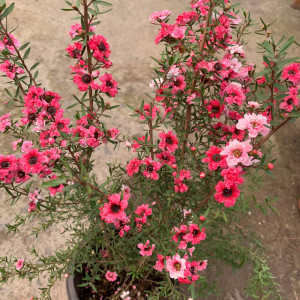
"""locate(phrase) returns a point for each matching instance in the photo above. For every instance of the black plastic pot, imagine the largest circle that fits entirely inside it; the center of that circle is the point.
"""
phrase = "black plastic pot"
(71, 288)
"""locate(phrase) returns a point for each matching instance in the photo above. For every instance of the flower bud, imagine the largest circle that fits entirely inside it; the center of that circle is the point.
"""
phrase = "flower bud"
(270, 166)
(193, 148)
(107, 104)
(202, 175)
(174, 166)
(202, 218)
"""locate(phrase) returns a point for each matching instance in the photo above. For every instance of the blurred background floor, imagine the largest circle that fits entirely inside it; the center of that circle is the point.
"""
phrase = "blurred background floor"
(132, 43)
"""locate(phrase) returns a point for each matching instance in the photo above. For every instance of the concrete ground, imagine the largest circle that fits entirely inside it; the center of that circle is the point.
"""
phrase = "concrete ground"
(132, 42)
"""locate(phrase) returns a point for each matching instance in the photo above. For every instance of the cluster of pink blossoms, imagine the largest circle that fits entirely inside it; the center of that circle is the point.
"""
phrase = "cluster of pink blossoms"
(82, 76)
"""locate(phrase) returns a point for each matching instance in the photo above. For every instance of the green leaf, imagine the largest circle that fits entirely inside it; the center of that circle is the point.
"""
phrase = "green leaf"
(104, 3)
(23, 46)
(286, 45)
(54, 182)
(26, 53)
(8, 11)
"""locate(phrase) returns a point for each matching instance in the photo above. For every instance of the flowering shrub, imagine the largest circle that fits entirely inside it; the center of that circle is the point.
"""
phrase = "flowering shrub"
(209, 118)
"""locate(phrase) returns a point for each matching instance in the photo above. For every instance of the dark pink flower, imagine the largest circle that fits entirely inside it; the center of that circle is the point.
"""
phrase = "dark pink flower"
(227, 193)
(133, 166)
(114, 210)
(109, 85)
(168, 141)
(151, 168)
(215, 159)
(195, 235)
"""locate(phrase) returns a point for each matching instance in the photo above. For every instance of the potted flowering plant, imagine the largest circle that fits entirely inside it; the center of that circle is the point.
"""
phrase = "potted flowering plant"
(160, 220)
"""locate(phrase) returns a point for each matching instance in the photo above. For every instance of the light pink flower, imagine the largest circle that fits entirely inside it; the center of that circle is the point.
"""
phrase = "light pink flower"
(237, 152)
(111, 276)
(176, 266)
(159, 15)
(4, 122)
(19, 264)
(255, 124)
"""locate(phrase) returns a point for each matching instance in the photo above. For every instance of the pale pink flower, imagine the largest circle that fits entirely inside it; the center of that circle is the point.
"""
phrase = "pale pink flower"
(237, 152)
(15, 144)
(26, 146)
(111, 276)
(173, 72)
(176, 266)
(253, 104)
(4, 122)
(178, 32)
(19, 264)
(255, 124)
(159, 15)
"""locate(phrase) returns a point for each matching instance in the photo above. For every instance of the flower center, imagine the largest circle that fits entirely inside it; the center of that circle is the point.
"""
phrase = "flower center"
(216, 157)
(60, 126)
(115, 208)
(227, 192)
(193, 270)
(291, 72)
(33, 160)
(51, 110)
(218, 67)
(150, 168)
(177, 83)
(196, 232)
(180, 235)
(215, 109)
(201, 263)
(177, 266)
(169, 140)
(86, 78)
(31, 117)
(5, 165)
(96, 135)
(289, 101)
(109, 84)
(237, 153)
(147, 248)
(102, 47)
(21, 174)
(76, 52)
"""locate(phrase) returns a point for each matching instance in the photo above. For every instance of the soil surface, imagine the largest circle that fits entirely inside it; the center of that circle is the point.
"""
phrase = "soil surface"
(132, 41)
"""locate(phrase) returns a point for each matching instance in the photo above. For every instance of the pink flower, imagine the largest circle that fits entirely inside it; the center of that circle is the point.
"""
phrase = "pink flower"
(133, 167)
(227, 193)
(292, 73)
(181, 236)
(19, 264)
(195, 235)
(168, 141)
(5, 122)
(146, 109)
(111, 276)
(7, 164)
(143, 211)
(291, 100)
(176, 266)
(160, 16)
(215, 159)
(233, 175)
(160, 263)
(109, 85)
(83, 80)
(215, 108)
(101, 48)
(10, 69)
(234, 94)
(255, 124)
(9, 43)
(237, 152)
(75, 50)
(253, 104)
(114, 209)
(76, 29)
(151, 168)
(33, 161)
(261, 80)
(146, 249)
(166, 158)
